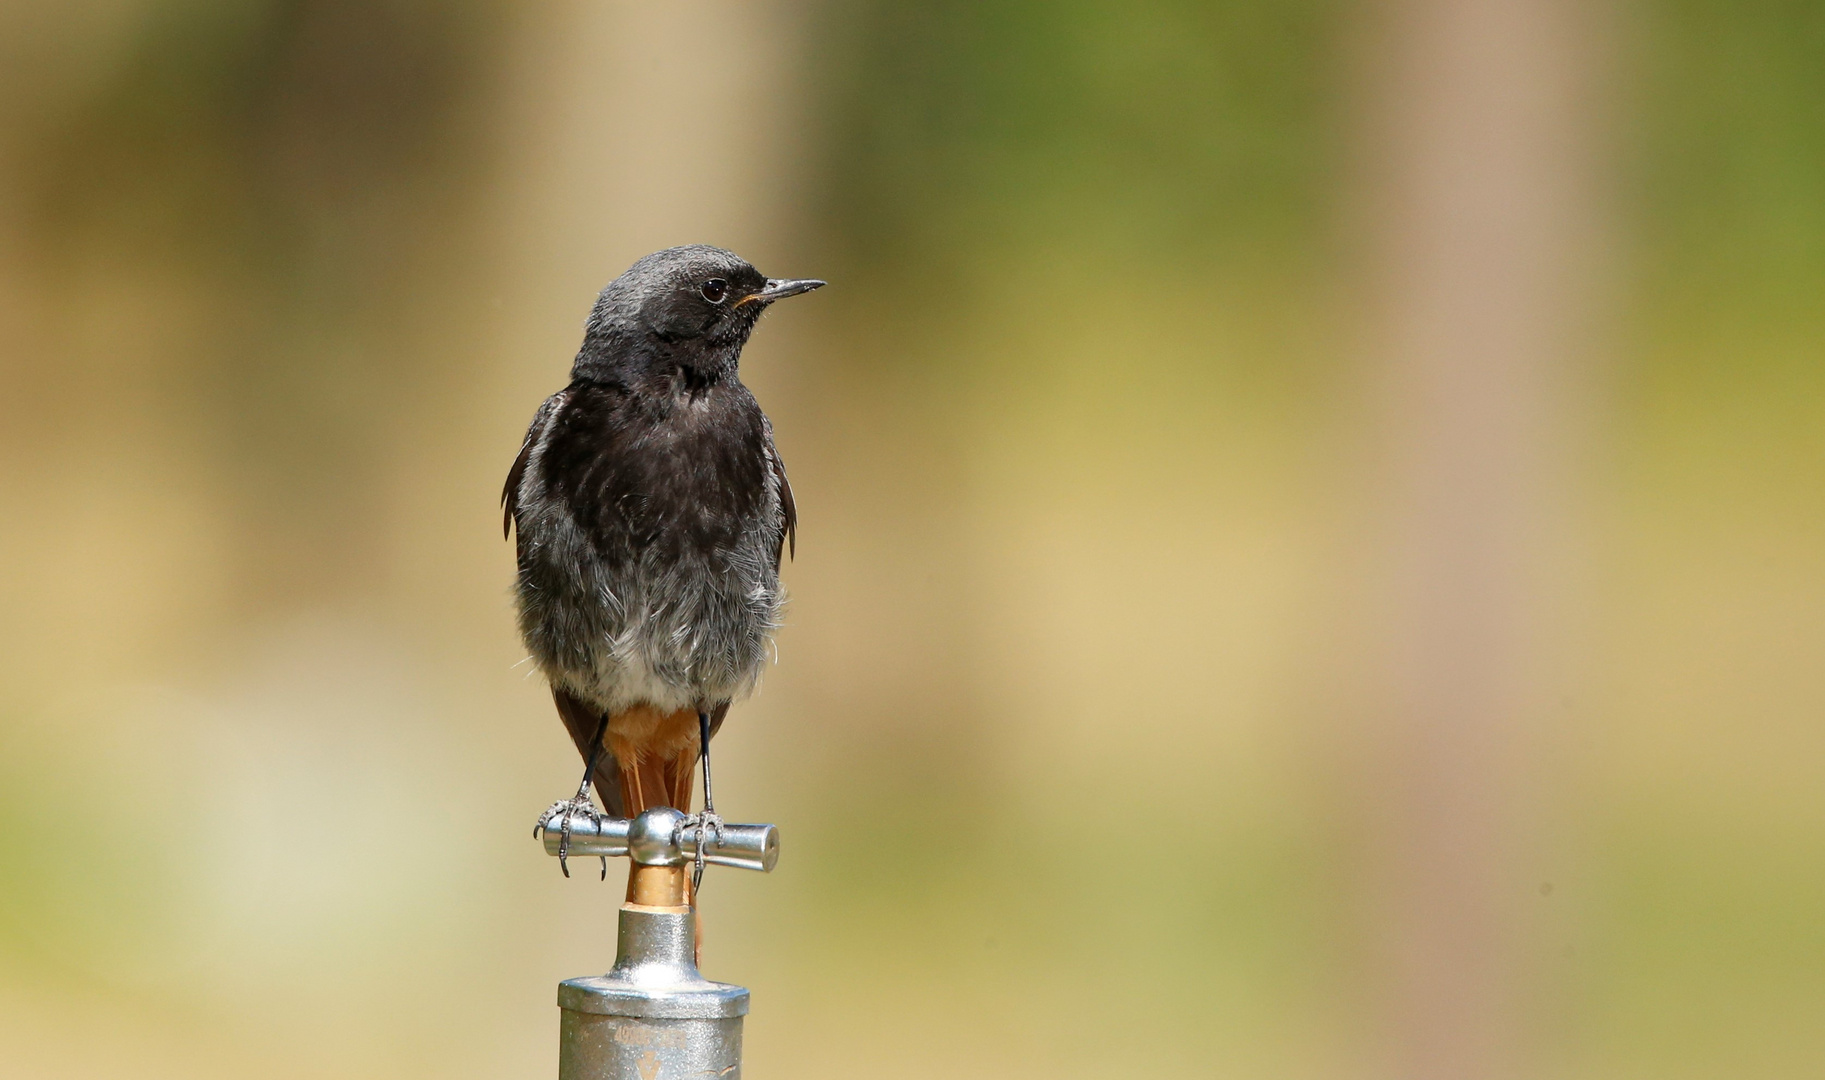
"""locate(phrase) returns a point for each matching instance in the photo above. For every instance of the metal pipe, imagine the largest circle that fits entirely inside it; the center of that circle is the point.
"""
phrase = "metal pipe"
(653, 1015)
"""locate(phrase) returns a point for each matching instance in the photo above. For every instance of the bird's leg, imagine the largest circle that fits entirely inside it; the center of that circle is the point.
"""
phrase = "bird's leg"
(578, 804)
(708, 818)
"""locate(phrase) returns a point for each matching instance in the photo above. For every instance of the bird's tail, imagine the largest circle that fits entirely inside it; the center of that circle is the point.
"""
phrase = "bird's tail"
(655, 756)
(648, 780)
(656, 759)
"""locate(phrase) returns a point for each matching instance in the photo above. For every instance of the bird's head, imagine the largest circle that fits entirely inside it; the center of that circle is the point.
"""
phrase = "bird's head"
(689, 308)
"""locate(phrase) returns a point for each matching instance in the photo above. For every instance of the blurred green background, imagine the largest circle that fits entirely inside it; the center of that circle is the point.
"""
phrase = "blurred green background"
(1074, 434)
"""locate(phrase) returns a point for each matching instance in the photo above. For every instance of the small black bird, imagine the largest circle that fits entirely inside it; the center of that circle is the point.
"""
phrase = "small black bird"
(652, 510)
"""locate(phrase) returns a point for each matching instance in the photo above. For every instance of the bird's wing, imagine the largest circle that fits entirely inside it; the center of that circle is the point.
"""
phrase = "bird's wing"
(583, 722)
(510, 493)
(788, 509)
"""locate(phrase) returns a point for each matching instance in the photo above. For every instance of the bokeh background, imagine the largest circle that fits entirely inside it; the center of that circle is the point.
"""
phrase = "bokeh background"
(1312, 554)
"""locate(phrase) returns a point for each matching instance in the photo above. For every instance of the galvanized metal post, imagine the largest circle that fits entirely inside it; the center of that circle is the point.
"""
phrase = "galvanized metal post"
(653, 1016)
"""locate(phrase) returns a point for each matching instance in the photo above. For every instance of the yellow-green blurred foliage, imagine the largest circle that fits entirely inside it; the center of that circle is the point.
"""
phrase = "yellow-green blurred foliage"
(281, 281)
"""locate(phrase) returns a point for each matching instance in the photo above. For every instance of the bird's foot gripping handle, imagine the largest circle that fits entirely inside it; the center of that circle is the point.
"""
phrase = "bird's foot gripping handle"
(667, 837)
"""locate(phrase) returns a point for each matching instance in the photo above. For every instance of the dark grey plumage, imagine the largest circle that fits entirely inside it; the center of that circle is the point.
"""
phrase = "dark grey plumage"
(652, 507)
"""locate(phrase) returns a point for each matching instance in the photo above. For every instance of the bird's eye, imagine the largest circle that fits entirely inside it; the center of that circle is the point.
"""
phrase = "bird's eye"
(714, 290)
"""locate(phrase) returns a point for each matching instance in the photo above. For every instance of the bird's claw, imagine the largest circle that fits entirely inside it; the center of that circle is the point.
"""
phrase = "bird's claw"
(561, 812)
(699, 823)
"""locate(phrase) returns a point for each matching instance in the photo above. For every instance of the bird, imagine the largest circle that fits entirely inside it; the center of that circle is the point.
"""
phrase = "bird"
(651, 511)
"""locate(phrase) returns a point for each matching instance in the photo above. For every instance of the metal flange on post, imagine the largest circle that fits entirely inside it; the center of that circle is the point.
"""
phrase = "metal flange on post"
(654, 1016)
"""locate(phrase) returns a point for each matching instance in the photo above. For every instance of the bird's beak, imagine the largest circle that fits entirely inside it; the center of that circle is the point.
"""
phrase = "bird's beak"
(779, 289)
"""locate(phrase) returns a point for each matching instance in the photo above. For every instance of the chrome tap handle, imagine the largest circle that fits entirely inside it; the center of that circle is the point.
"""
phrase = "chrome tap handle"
(660, 837)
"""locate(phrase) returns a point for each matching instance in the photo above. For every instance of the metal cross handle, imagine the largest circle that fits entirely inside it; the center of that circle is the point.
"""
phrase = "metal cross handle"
(663, 836)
